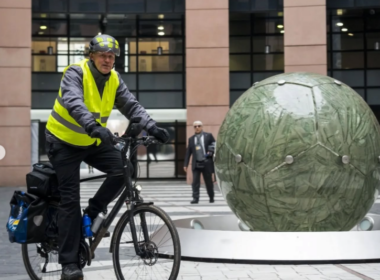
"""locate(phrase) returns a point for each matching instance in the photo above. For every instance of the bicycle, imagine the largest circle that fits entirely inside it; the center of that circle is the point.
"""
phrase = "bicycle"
(143, 244)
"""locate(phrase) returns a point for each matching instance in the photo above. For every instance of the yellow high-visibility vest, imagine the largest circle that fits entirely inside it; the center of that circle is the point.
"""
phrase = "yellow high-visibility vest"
(64, 127)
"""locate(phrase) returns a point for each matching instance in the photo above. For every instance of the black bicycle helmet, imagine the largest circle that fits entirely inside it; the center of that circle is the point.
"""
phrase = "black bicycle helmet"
(104, 43)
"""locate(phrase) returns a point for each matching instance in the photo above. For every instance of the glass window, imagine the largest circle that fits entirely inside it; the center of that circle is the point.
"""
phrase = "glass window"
(260, 5)
(240, 5)
(373, 41)
(159, 6)
(360, 91)
(160, 81)
(179, 6)
(43, 100)
(85, 27)
(262, 44)
(40, 45)
(126, 6)
(48, 27)
(268, 62)
(161, 169)
(42, 81)
(373, 22)
(268, 25)
(49, 63)
(83, 6)
(347, 24)
(340, 3)
(348, 60)
(160, 63)
(151, 45)
(348, 41)
(351, 78)
(129, 80)
(240, 80)
(240, 63)
(131, 64)
(240, 27)
(50, 6)
(260, 76)
(373, 78)
(234, 95)
(367, 3)
(160, 28)
(121, 27)
(373, 96)
(373, 59)
(161, 99)
(240, 44)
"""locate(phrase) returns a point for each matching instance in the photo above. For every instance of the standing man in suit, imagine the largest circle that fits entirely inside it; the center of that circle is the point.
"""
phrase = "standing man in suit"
(198, 144)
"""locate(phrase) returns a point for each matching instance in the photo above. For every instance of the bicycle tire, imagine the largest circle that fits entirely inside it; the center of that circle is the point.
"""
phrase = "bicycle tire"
(124, 221)
(28, 266)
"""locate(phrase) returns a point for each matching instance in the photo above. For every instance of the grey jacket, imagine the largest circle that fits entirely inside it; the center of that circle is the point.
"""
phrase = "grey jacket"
(73, 99)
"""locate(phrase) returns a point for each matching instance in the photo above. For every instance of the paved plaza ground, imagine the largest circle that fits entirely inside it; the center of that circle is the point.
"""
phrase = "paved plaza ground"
(174, 198)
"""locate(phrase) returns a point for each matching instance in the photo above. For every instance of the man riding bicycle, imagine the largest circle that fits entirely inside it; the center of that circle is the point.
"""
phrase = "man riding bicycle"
(76, 131)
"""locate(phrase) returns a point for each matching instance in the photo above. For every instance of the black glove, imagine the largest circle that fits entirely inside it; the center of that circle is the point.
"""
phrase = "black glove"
(103, 133)
(161, 134)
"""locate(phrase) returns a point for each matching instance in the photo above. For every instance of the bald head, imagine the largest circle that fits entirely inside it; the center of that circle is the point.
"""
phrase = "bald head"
(198, 127)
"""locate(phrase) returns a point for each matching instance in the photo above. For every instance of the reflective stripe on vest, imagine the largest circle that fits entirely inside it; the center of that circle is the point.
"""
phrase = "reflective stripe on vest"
(64, 127)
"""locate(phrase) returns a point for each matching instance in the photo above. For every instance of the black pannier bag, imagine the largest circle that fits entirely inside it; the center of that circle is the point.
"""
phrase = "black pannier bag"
(42, 181)
(28, 218)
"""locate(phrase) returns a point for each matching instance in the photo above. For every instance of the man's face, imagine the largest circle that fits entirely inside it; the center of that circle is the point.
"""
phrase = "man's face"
(103, 61)
(197, 128)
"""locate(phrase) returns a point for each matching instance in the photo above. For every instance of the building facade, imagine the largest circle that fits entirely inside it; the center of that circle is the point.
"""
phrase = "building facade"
(183, 60)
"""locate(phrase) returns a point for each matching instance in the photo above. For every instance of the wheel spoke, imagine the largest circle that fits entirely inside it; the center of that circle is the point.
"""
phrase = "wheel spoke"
(163, 241)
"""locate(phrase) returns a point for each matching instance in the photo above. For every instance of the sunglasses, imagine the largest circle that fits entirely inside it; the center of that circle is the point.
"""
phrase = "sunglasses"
(195, 126)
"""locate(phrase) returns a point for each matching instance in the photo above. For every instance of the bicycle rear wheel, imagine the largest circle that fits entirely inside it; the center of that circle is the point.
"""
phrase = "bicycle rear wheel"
(41, 261)
(162, 252)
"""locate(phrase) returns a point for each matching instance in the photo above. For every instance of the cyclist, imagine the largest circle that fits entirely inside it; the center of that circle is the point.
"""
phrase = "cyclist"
(76, 131)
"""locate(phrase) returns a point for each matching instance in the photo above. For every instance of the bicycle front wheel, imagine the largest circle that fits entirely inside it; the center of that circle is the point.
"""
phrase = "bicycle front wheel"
(161, 256)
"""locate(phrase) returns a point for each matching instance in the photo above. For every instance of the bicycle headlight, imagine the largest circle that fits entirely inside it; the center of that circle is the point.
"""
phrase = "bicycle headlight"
(138, 188)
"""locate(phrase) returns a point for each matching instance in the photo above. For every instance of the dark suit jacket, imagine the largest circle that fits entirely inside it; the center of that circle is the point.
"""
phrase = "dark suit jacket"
(208, 139)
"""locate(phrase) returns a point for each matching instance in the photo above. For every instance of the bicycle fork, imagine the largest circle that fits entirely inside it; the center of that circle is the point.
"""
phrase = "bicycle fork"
(143, 227)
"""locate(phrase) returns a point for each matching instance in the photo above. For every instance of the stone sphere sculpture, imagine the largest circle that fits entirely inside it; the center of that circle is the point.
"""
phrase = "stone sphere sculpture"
(299, 152)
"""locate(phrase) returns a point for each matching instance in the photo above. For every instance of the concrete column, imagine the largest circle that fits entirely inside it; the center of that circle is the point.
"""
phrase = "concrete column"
(15, 86)
(207, 64)
(305, 36)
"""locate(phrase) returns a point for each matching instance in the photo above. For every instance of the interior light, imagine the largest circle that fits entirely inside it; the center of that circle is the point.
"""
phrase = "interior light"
(344, 29)
(43, 15)
(280, 14)
(282, 31)
(339, 12)
(350, 34)
(160, 27)
(100, 33)
(280, 26)
(339, 24)
(161, 33)
(161, 16)
(40, 33)
(43, 27)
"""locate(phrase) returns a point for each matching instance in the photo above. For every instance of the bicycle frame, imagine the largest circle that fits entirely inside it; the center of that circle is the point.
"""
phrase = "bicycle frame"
(127, 196)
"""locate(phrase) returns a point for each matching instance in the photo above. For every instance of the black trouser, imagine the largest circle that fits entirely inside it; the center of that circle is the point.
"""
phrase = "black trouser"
(207, 176)
(66, 161)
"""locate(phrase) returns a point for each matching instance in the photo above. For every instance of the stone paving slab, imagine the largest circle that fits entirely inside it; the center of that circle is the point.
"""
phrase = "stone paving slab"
(11, 266)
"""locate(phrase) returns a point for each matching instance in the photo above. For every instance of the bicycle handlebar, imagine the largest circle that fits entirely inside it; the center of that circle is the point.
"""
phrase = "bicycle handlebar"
(145, 140)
